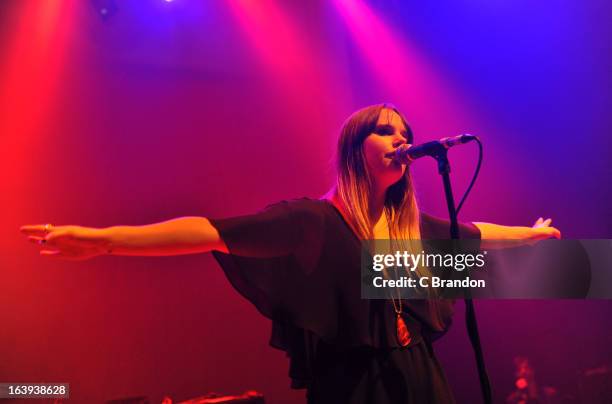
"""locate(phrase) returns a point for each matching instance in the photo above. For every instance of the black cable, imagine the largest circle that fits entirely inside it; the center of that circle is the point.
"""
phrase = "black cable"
(474, 176)
(470, 313)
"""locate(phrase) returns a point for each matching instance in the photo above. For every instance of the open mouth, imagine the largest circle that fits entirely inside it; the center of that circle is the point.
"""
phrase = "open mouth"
(390, 155)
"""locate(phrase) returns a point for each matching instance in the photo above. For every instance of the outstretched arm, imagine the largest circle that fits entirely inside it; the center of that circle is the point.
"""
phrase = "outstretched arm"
(184, 235)
(498, 236)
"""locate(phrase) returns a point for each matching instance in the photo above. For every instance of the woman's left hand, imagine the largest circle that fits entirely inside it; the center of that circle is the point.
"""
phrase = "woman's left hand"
(542, 230)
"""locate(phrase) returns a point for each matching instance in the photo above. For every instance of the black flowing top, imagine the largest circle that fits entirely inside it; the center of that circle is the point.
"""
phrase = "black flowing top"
(299, 263)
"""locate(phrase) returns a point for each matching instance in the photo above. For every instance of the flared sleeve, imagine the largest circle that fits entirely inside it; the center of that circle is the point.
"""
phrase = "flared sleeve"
(272, 259)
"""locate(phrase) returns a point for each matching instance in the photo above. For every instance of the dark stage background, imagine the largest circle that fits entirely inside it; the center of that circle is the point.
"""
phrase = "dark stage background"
(159, 109)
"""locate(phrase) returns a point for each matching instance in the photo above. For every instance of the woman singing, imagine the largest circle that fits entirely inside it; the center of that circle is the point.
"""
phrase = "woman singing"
(299, 261)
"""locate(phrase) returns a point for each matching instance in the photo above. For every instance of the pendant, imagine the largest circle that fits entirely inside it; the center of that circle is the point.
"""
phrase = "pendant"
(403, 335)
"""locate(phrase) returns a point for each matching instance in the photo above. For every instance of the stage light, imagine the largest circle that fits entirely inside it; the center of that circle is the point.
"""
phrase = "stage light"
(105, 8)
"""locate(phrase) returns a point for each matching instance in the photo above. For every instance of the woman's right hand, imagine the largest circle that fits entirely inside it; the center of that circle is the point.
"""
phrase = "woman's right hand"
(67, 242)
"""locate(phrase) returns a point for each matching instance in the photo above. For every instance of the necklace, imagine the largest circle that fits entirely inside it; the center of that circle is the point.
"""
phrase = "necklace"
(402, 333)
(401, 330)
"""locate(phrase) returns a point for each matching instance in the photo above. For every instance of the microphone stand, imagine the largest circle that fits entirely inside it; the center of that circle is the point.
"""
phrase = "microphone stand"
(440, 154)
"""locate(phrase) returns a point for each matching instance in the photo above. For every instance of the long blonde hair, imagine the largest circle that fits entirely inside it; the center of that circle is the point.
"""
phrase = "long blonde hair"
(354, 186)
(354, 182)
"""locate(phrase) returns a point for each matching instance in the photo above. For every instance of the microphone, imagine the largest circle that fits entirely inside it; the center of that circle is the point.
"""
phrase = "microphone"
(406, 154)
